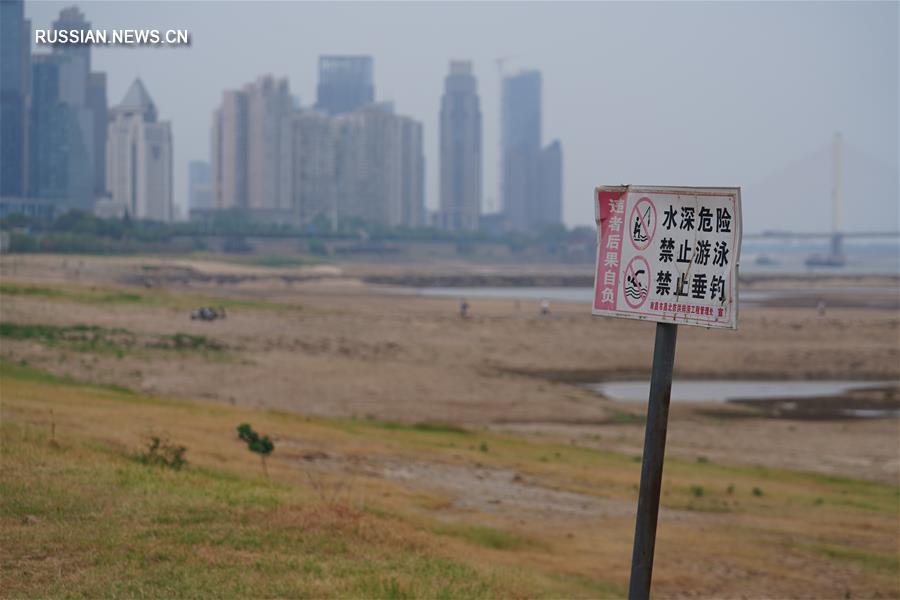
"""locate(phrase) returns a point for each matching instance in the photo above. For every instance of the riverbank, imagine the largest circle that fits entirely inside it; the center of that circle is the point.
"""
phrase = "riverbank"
(329, 345)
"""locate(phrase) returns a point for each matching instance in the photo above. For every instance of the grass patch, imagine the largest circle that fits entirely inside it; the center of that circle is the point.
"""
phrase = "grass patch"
(147, 297)
(106, 525)
(488, 537)
(81, 338)
(163, 453)
(870, 560)
(92, 338)
(82, 294)
(595, 588)
(187, 341)
(279, 261)
(426, 427)
(115, 527)
(626, 418)
(22, 290)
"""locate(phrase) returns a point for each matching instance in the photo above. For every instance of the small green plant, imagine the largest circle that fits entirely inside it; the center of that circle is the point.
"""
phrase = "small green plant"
(730, 488)
(757, 492)
(483, 447)
(163, 453)
(262, 445)
(697, 491)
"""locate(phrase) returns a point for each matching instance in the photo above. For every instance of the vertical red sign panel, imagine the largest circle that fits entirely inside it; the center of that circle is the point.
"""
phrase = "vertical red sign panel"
(609, 212)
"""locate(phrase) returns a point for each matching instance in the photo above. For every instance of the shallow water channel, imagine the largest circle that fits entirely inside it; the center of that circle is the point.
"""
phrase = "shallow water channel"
(699, 390)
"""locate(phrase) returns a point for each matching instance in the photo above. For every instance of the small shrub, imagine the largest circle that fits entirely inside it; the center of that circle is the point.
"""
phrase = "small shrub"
(697, 491)
(163, 453)
(757, 492)
(730, 488)
(261, 445)
(483, 447)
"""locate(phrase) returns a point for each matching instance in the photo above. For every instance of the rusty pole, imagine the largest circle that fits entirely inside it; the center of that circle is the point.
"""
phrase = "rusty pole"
(652, 465)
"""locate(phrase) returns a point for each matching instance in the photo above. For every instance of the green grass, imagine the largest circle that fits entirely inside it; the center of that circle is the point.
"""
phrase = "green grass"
(108, 525)
(31, 290)
(148, 297)
(92, 338)
(626, 418)
(82, 521)
(279, 261)
(83, 518)
(187, 341)
(81, 338)
(270, 260)
(489, 537)
(426, 427)
(889, 563)
(82, 294)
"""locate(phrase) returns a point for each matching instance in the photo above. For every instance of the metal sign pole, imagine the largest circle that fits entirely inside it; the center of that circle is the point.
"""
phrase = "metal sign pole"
(652, 466)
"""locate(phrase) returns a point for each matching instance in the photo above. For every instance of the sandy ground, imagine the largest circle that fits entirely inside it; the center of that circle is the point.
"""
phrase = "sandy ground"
(351, 351)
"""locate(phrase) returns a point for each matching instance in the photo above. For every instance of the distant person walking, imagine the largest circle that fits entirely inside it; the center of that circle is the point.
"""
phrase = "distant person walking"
(545, 307)
(463, 308)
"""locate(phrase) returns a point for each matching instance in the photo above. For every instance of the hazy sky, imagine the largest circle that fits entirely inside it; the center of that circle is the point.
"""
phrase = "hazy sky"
(673, 93)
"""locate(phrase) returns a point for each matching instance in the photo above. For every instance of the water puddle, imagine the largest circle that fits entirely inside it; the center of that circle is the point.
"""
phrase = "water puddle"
(700, 390)
(802, 399)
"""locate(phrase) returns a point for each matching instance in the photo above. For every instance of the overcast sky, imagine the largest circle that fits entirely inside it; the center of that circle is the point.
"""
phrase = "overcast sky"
(674, 93)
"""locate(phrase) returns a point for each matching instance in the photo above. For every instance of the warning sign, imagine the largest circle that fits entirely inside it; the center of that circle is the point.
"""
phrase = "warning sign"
(679, 263)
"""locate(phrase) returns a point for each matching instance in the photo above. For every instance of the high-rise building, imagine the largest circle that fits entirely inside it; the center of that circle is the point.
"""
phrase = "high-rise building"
(312, 168)
(229, 151)
(345, 84)
(269, 104)
(412, 173)
(549, 211)
(199, 185)
(380, 168)
(314, 139)
(67, 122)
(460, 150)
(72, 19)
(521, 127)
(15, 65)
(60, 131)
(251, 147)
(139, 157)
(532, 177)
(96, 103)
(85, 90)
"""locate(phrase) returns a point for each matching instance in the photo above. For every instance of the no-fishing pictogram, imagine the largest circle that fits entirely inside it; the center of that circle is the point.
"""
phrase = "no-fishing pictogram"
(642, 223)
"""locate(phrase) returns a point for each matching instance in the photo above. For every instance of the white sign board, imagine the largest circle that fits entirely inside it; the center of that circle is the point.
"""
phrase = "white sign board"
(668, 254)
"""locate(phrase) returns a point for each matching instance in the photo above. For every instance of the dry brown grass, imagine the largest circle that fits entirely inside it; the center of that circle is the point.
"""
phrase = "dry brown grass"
(366, 508)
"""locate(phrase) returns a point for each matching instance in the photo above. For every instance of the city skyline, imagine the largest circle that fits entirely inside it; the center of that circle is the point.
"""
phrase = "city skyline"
(842, 97)
(348, 157)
